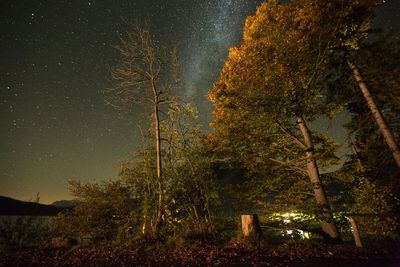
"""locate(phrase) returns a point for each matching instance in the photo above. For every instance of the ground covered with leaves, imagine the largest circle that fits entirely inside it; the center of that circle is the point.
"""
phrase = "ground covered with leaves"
(200, 254)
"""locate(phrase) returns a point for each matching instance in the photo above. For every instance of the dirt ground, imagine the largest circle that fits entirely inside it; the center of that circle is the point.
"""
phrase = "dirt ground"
(199, 254)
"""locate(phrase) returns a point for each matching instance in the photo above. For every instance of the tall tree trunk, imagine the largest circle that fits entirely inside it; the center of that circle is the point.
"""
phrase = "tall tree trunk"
(328, 224)
(159, 167)
(355, 231)
(206, 211)
(210, 226)
(383, 127)
(147, 191)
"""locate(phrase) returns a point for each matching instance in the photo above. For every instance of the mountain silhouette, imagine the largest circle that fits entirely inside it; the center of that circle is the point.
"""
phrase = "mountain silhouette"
(64, 204)
(10, 206)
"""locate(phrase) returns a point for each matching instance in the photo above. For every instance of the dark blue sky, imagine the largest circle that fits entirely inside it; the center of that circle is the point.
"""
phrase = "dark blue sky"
(55, 57)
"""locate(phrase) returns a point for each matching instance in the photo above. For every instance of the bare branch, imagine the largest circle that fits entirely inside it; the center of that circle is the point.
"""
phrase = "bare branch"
(291, 134)
(290, 166)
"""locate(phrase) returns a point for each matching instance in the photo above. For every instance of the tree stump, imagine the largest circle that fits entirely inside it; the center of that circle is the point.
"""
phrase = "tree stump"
(355, 231)
(251, 227)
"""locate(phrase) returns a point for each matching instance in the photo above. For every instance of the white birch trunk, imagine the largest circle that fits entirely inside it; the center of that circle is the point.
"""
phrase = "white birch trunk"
(328, 224)
(355, 231)
(380, 121)
(159, 167)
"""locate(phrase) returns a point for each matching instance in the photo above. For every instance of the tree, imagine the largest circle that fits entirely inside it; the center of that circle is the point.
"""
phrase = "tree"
(349, 27)
(103, 212)
(140, 173)
(385, 88)
(191, 185)
(146, 74)
(190, 192)
(387, 52)
(275, 77)
(376, 183)
(366, 197)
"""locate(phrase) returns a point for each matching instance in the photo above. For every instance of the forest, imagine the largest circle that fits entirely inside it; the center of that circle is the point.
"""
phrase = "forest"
(263, 187)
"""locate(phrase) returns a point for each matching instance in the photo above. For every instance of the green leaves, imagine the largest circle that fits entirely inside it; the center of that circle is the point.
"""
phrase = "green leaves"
(101, 210)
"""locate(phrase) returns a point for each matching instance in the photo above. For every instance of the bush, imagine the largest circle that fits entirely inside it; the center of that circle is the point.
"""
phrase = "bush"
(104, 213)
(23, 231)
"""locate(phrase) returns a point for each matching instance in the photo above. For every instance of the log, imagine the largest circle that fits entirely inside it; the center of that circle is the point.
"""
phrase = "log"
(355, 231)
(251, 226)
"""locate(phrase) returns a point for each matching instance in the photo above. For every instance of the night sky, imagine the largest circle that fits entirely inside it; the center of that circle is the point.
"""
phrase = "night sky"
(55, 57)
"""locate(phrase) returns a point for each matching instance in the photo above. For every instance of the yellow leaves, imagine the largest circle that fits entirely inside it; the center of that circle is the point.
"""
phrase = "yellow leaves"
(268, 14)
(211, 97)
(353, 33)
(234, 53)
(248, 27)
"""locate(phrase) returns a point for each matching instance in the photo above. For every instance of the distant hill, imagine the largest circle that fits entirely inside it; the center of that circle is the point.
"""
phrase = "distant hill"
(10, 206)
(64, 204)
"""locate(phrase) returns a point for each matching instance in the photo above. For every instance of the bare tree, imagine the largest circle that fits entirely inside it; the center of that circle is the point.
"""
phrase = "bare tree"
(145, 75)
